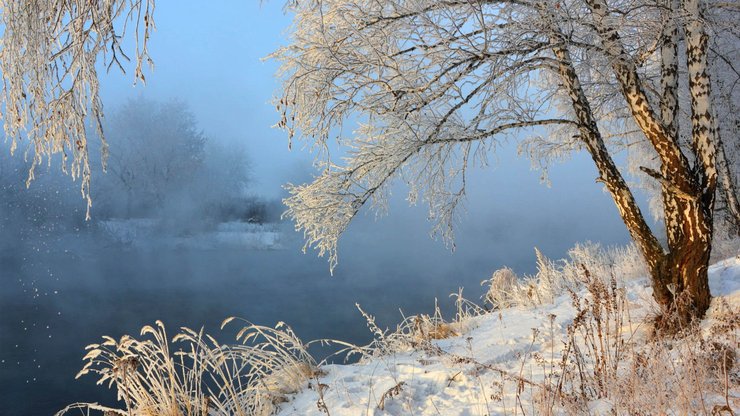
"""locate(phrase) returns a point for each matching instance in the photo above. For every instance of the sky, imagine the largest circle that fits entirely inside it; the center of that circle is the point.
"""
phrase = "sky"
(211, 54)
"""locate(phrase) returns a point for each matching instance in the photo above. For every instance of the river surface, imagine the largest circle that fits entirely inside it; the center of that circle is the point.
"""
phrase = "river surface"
(60, 294)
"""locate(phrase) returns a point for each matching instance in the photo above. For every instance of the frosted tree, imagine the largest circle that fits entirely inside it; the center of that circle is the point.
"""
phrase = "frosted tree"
(434, 86)
(49, 59)
(156, 151)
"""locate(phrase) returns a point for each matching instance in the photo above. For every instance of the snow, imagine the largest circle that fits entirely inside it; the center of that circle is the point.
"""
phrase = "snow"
(478, 372)
(145, 232)
(724, 280)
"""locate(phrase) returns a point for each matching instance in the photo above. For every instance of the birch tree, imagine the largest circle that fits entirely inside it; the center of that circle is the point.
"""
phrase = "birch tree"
(435, 85)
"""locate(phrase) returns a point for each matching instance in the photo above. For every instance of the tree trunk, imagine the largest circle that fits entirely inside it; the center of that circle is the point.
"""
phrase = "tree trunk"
(680, 280)
(679, 274)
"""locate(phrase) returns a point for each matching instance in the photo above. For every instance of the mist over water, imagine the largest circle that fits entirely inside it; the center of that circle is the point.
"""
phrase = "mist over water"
(63, 290)
(65, 282)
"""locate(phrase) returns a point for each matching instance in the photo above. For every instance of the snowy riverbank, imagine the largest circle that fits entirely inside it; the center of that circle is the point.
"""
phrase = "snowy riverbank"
(511, 362)
(573, 339)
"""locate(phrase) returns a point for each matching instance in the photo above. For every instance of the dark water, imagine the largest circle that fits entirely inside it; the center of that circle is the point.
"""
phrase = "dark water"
(55, 302)
(60, 294)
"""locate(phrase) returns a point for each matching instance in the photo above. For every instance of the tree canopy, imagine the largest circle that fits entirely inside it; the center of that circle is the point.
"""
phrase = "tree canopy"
(433, 87)
(436, 85)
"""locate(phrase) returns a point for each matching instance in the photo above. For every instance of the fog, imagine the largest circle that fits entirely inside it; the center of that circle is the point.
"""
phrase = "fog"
(195, 242)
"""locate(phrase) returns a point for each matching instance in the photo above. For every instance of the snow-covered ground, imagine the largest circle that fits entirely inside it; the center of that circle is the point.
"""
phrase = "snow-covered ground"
(495, 363)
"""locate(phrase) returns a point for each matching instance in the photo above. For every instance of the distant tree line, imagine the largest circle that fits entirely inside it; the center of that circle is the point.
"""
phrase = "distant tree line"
(155, 163)
(161, 165)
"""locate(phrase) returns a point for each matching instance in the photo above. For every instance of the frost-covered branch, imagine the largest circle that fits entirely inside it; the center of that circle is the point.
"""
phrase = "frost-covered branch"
(434, 167)
(429, 83)
(50, 89)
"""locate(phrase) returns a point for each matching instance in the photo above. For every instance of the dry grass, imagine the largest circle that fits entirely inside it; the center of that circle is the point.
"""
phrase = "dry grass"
(609, 364)
(554, 278)
(606, 363)
(202, 377)
(415, 332)
(604, 368)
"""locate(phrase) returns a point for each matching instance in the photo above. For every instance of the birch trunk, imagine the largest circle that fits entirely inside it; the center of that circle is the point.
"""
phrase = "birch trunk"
(679, 277)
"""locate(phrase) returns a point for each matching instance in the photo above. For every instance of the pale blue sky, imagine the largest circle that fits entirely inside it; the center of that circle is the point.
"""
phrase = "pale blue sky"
(210, 54)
